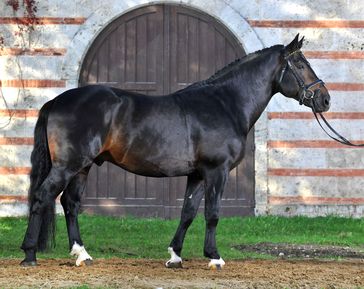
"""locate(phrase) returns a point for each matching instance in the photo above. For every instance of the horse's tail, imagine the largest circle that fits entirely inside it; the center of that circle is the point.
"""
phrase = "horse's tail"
(41, 166)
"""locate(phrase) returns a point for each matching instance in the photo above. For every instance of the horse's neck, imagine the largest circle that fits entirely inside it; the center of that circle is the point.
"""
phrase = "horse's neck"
(256, 90)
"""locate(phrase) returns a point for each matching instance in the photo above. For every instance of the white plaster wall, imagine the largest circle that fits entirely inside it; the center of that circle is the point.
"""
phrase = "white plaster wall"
(235, 15)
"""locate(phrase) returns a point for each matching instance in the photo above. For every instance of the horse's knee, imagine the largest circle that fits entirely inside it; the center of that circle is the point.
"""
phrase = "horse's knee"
(69, 205)
(212, 218)
(187, 220)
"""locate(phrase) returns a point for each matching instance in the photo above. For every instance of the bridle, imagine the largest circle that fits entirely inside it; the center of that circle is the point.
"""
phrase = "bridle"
(306, 93)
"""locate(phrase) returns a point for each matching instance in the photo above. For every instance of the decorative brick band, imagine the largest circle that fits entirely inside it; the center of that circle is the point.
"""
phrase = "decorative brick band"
(43, 20)
(345, 86)
(307, 23)
(39, 83)
(14, 170)
(309, 115)
(334, 54)
(292, 172)
(17, 199)
(310, 144)
(21, 113)
(16, 141)
(34, 51)
(313, 200)
(13, 199)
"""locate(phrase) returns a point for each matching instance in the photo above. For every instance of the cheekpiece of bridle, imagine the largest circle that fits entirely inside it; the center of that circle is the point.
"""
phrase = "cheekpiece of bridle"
(306, 92)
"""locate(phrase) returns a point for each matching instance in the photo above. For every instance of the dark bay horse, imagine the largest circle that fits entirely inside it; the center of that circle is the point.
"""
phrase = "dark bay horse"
(198, 132)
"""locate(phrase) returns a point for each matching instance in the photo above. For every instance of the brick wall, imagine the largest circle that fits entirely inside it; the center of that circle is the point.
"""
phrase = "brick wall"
(298, 169)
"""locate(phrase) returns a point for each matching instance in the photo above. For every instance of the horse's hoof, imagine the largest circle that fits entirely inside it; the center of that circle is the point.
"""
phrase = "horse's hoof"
(216, 264)
(87, 262)
(174, 265)
(175, 261)
(216, 267)
(26, 263)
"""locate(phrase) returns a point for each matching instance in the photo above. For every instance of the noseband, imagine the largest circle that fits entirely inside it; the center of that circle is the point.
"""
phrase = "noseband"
(305, 91)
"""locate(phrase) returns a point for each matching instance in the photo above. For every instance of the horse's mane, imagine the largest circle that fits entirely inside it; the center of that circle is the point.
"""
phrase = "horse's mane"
(232, 66)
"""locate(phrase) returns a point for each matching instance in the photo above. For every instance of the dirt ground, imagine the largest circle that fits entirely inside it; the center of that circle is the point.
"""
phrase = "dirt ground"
(303, 251)
(133, 273)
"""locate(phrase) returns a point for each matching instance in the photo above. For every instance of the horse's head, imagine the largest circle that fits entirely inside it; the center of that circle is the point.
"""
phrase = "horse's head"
(298, 80)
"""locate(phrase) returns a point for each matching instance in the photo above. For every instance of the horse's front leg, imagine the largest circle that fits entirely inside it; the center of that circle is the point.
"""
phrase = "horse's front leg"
(215, 183)
(71, 201)
(192, 200)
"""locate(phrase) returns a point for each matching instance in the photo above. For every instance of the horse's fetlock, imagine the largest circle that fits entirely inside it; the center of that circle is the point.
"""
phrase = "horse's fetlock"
(211, 253)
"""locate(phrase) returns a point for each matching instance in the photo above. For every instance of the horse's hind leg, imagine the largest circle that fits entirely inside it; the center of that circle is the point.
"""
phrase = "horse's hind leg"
(193, 196)
(41, 218)
(71, 201)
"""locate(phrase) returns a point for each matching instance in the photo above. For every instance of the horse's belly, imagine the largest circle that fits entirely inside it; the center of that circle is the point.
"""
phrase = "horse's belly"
(167, 166)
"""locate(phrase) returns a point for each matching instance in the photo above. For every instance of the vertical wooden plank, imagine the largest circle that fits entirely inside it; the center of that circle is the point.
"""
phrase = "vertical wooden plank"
(92, 74)
(204, 51)
(153, 188)
(141, 49)
(230, 188)
(169, 74)
(140, 187)
(130, 186)
(121, 53)
(91, 188)
(211, 52)
(229, 53)
(153, 41)
(130, 57)
(113, 58)
(193, 51)
(182, 50)
(116, 182)
(156, 51)
(103, 63)
(181, 188)
(102, 181)
(170, 49)
(172, 191)
(219, 50)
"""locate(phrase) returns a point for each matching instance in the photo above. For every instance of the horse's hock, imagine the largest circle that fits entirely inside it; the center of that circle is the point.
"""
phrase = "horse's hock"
(157, 50)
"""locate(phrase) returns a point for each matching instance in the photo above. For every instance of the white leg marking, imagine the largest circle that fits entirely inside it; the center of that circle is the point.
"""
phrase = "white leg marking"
(216, 263)
(81, 254)
(174, 258)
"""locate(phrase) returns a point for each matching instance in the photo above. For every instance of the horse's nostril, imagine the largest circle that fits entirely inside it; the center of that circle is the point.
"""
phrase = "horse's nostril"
(327, 102)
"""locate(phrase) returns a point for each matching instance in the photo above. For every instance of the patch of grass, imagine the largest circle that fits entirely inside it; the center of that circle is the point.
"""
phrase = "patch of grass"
(149, 238)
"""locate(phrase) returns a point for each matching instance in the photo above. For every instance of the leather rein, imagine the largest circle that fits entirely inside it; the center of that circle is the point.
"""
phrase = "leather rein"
(306, 93)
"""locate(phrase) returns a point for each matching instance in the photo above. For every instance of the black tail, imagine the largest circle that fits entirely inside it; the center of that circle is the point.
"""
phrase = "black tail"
(41, 165)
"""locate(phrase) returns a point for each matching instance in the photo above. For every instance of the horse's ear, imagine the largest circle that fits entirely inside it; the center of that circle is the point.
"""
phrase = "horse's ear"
(294, 45)
(301, 42)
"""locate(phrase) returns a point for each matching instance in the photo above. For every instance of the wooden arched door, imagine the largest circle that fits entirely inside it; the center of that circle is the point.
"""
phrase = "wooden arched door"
(156, 50)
